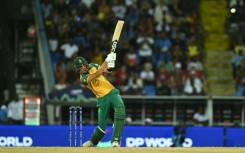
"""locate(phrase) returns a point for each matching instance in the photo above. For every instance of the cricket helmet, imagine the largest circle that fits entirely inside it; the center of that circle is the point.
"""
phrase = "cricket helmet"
(78, 62)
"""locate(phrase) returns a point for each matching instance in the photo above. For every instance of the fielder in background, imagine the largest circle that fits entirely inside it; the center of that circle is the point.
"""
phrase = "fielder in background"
(107, 96)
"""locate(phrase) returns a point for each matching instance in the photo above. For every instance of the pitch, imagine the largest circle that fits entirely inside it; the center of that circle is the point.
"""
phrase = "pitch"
(120, 150)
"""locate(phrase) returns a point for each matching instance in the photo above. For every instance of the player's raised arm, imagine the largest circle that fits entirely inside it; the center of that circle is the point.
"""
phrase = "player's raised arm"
(103, 68)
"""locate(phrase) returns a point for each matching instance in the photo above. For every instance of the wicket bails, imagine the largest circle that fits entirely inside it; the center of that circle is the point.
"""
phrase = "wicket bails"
(73, 121)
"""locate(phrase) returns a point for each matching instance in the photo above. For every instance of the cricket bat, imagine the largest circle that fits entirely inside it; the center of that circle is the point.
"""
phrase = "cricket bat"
(116, 35)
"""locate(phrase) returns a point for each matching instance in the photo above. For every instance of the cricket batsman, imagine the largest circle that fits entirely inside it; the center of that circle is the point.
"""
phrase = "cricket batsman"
(107, 96)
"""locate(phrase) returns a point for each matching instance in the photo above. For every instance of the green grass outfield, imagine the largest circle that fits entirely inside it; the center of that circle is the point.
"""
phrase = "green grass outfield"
(120, 150)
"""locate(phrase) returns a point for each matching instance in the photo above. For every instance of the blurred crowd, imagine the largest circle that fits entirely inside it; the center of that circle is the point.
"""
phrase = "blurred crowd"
(159, 50)
(237, 32)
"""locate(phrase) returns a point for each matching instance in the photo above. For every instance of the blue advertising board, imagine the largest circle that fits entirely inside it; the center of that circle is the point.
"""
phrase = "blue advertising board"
(33, 136)
(206, 136)
(133, 136)
(143, 136)
(235, 137)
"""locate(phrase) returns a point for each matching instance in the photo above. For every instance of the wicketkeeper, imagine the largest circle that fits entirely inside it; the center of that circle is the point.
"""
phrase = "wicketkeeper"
(107, 96)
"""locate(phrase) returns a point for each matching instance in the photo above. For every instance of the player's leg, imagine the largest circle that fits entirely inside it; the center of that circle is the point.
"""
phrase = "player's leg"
(103, 114)
(119, 117)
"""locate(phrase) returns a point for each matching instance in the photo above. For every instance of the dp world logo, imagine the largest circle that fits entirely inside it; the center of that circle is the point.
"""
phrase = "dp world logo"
(16, 141)
(154, 142)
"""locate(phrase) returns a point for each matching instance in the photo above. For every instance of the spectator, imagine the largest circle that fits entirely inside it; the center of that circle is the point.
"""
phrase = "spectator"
(97, 56)
(178, 138)
(3, 112)
(193, 85)
(240, 82)
(71, 73)
(131, 60)
(79, 38)
(122, 78)
(177, 80)
(177, 8)
(147, 75)
(69, 49)
(200, 118)
(146, 21)
(162, 82)
(103, 11)
(61, 6)
(237, 58)
(119, 9)
(135, 84)
(131, 2)
(161, 12)
(195, 63)
(168, 65)
(148, 121)
(193, 49)
(87, 3)
(177, 54)
(162, 45)
(180, 41)
(53, 47)
(145, 47)
(15, 111)
(60, 74)
(132, 16)
(128, 121)
(46, 8)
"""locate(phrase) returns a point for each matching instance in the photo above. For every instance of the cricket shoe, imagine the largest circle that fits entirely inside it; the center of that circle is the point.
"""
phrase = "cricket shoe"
(88, 144)
(115, 144)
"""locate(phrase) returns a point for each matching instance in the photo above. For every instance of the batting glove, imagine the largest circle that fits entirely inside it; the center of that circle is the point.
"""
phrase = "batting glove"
(110, 57)
(111, 64)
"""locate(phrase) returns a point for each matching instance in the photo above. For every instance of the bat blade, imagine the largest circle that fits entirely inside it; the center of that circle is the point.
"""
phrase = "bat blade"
(116, 35)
